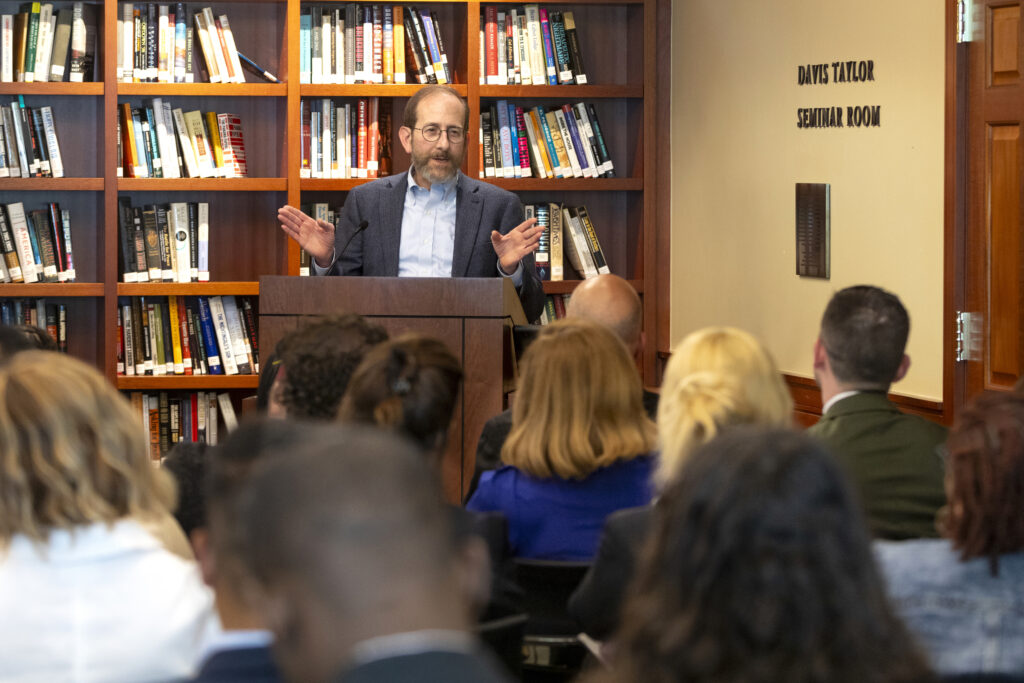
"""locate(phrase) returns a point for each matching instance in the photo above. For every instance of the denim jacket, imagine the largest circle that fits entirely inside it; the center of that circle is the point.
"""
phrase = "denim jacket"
(967, 620)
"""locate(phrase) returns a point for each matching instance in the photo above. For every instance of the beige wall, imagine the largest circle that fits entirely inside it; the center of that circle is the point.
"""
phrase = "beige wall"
(737, 154)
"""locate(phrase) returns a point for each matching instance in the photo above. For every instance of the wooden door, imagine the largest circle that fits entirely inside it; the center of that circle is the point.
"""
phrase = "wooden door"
(995, 194)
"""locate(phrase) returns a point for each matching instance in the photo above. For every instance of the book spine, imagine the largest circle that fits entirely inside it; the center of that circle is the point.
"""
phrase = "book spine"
(398, 43)
(9, 247)
(595, 245)
(31, 42)
(524, 144)
(174, 319)
(69, 260)
(606, 160)
(555, 219)
(577, 142)
(378, 45)
(239, 340)
(23, 240)
(183, 331)
(209, 337)
(7, 48)
(220, 326)
(52, 146)
(203, 223)
(562, 62)
(575, 55)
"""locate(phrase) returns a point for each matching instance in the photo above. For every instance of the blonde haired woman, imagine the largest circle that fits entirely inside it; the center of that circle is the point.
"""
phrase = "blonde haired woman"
(86, 593)
(716, 377)
(580, 444)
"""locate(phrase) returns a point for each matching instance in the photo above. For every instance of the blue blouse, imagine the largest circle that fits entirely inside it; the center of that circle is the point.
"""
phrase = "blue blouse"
(561, 519)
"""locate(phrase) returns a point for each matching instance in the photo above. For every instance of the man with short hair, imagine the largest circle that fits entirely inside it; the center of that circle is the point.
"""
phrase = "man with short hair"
(355, 557)
(317, 361)
(432, 221)
(892, 458)
(607, 300)
(242, 651)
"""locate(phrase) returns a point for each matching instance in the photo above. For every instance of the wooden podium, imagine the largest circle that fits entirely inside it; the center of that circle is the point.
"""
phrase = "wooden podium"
(472, 316)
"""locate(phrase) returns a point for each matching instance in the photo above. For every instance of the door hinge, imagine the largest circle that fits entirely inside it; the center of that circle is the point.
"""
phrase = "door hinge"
(969, 21)
(968, 336)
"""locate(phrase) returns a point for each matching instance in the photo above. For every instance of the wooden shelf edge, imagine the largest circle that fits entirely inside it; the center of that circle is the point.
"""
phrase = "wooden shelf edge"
(567, 286)
(362, 90)
(186, 382)
(564, 184)
(51, 289)
(58, 88)
(205, 89)
(574, 92)
(52, 184)
(188, 288)
(197, 184)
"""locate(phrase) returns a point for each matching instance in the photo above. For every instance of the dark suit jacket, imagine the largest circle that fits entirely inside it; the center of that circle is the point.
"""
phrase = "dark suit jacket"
(496, 430)
(243, 665)
(480, 208)
(427, 667)
(596, 604)
(893, 462)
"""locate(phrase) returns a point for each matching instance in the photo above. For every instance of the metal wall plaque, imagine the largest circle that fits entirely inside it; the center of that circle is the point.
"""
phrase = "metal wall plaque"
(813, 249)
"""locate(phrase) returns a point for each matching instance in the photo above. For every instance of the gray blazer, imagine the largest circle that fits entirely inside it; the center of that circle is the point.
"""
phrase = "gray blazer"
(480, 208)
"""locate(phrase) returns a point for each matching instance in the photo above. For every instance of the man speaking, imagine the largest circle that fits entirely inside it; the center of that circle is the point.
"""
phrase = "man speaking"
(432, 221)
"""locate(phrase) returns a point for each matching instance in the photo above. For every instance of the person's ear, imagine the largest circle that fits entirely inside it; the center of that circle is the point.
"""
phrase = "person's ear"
(200, 540)
(901, 371)
(405, 137)
(820, 355)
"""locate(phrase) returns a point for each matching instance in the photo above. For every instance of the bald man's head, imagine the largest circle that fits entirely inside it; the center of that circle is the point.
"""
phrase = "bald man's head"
(611, 301)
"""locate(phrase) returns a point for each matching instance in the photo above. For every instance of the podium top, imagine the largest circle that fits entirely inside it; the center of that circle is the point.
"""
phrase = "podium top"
(435, 297)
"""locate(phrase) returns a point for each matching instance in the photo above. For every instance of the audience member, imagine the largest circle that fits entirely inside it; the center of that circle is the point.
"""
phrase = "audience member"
(39, 338)
(269, 385)
(579, 447)
(890, 456)
(13, 339)
(607, 300)
(318, 360)
(186, 462)
(963, 596)
(716, 377)
(410, 386)
(759, 568)
(353, 553)
(86, 592)
(242, 652)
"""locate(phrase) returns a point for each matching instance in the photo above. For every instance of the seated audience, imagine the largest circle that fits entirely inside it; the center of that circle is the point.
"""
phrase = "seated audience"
(580, 446)
(352, 552)
(963, 595)
(13, 339)
(242, 652)
(186, 461)
(86, 593)
(606, 299)
(317, 361)
(410, 386)
(716, 377)
(889, 456)
(759, 568)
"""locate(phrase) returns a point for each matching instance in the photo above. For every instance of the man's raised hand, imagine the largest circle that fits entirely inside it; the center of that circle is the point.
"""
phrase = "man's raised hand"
(516, 244)
(316, 237)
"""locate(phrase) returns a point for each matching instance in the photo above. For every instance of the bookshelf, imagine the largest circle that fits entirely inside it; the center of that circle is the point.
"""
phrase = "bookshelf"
(245, 240)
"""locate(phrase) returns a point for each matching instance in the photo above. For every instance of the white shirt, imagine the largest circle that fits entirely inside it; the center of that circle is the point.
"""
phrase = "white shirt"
(100, 604)
(836, 399)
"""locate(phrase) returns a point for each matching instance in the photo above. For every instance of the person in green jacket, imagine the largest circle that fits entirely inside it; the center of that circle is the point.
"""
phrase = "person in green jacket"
(893, 459)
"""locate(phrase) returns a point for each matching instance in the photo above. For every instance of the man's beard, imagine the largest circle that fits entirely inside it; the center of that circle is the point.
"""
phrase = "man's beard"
(432, 174)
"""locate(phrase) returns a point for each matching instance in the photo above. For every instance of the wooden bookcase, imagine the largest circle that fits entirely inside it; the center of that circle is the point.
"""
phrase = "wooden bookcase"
(618, 39)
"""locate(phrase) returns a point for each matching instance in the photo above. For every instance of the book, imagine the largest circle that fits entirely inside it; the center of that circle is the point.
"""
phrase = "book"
(23, 241)
(223, 335)
(61, 45)
(595, 245)
(209, 337)
(573, 45)
(83, 42)
(555, 242)
(575, 245)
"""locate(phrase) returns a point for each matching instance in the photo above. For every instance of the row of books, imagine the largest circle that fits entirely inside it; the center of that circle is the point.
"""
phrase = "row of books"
(556, 142)
(37, 245)
(358, 43)
(568, 234)
(192, 417)
(155, 141)
(554, 308)
(42, 313)
(164, 242)
(529, 46)
(187, 335)
(349, 139)
(28, 142)
(155, 45)
(41, 44)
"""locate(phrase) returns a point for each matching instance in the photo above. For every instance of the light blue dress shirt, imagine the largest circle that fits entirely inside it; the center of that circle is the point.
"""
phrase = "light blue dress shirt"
(427, 244)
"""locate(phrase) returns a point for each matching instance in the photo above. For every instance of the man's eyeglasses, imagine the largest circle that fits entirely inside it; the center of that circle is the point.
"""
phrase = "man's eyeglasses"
(432, 133)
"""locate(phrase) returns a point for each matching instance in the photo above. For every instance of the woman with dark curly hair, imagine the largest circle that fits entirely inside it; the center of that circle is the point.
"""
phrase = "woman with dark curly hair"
(963, 595)
(760, 569)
